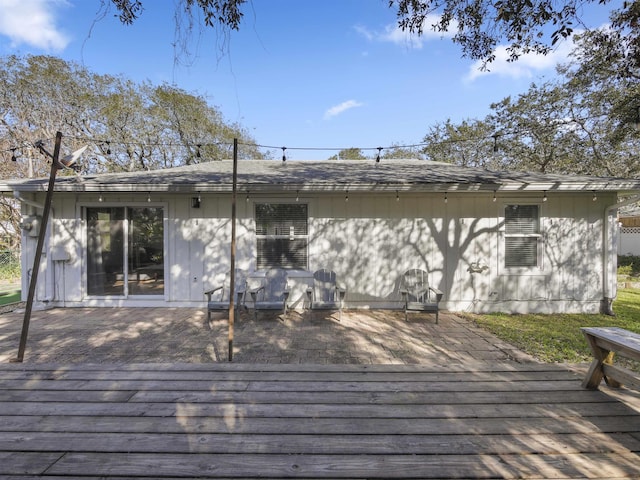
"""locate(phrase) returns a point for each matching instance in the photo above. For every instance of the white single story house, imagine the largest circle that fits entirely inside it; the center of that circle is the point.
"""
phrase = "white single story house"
(490, 241)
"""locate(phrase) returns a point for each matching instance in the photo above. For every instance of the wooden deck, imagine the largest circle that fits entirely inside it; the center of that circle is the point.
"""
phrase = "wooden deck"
(476, 420)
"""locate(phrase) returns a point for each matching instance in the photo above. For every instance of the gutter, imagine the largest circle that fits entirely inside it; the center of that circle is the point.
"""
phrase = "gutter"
(609, 274)
(26, 201)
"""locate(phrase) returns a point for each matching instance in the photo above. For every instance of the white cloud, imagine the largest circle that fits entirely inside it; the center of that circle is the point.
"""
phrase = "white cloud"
(394, 34)
(341, 108)
(32, 22)
(527, 66)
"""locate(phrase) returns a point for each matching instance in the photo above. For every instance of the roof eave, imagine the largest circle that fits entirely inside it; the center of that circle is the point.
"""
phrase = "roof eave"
(630, 187)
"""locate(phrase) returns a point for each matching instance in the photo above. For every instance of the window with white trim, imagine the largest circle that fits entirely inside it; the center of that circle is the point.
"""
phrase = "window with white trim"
(281, 235)
(522, 236)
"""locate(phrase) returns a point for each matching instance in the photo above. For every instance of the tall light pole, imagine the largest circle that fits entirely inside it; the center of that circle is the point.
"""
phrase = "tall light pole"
(56, 164)
(232, 287)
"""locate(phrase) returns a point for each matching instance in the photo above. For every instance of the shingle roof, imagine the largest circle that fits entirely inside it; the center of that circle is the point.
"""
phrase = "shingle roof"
(328, 175)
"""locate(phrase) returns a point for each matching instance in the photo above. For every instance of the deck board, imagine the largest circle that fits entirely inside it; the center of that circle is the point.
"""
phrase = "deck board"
(286, 421)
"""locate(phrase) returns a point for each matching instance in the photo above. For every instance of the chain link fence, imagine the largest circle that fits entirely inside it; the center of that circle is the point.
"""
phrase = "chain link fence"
(10, 271)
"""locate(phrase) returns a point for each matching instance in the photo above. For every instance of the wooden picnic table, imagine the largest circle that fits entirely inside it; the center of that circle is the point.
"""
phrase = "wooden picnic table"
(605, 343)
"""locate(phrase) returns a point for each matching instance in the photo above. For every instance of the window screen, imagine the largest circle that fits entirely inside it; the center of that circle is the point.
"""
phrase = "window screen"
(281, 235)
(522, 236)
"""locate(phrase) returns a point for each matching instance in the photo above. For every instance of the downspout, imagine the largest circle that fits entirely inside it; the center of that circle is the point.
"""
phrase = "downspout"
(609, 250)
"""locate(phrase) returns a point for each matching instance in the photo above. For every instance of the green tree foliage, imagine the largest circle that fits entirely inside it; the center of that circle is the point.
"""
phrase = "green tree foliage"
(526, 25)
(533, 132)
(349, 154)
(216, 12)
(401, 152)
(127, 126)
(583, 123)
(469, 144)
(386, 153)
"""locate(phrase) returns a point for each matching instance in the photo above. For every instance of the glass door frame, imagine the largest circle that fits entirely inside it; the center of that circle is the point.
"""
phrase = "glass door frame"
(82, 214)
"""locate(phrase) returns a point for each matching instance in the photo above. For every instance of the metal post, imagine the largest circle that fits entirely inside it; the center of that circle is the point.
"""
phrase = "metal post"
(39, 247)
(232, 287)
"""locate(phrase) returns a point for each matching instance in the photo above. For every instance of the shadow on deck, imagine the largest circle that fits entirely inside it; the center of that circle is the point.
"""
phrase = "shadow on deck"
(148, 393)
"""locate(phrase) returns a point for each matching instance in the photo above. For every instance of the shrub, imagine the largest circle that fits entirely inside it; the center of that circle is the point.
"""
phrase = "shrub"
(629, 265)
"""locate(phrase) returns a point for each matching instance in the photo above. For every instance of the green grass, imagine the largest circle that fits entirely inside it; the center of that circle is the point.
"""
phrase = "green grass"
(9, 297)
(557, 338)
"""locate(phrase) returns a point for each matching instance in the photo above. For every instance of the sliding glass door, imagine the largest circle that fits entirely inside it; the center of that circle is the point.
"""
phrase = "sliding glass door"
(145, 259)
(116, 267)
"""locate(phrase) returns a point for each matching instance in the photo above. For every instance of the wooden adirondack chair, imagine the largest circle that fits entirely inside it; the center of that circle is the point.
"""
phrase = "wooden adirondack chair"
(269, 290)
(417, 294)
(326, 294)
(218, 297)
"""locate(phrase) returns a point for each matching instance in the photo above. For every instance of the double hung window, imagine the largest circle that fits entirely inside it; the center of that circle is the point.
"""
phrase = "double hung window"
(522, 236)
(281, 235)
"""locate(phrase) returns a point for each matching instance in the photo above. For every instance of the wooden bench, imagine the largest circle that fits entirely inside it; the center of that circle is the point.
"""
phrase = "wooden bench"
(605, 342)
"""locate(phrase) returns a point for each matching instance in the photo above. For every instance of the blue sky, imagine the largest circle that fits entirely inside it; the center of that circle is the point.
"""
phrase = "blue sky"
(305, 74)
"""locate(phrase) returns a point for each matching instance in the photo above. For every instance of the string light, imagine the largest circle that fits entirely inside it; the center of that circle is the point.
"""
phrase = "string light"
(229, 144)
(595, 197)
(297, 195)
(397, 196)
(346, 197)
(544, 197)
(445, 197)
(148, 197)
(100, 199)
(494, 197)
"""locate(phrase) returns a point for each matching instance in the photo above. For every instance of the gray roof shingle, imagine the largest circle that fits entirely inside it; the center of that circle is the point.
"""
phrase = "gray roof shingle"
(328, 175)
